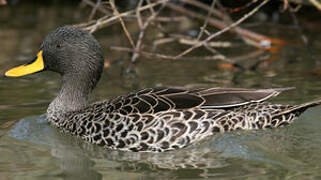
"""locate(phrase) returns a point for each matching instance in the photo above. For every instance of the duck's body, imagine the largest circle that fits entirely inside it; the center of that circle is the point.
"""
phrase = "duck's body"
(155, 119)
(163, 119)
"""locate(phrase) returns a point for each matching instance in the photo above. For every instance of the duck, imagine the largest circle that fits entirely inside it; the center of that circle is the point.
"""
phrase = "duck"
(149, 120)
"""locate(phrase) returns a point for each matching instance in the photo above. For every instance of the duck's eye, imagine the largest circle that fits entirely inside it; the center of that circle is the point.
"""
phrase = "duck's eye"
(58, 46)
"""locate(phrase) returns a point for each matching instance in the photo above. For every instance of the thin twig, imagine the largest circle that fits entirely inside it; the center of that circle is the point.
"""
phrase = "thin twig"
(106, 20)
(233, 60)
(162, 56)
(99, 8)
(209, 44)
(163, 41)
(206, 21)
(151, 8)
(139, 18)
(142, 31)
(201, 5)
(223, 30)
(112, 3)
(219, 24)
(93, 11)
(316, 4)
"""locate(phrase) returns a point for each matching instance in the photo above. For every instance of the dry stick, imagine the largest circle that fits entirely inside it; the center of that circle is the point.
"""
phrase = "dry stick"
(86, 24)
(163, 41)
(157, 19)
(139, 18)
(187, 40)
(203, 28)
(106, 20)
(128, 18)
(212, 50)
(204, 6)
(206, 21)
(220, 44)
(158, 25)
(93, 11)
(112, 3)
(151, 9)
(219, 24)
(223, 30)
(170, 19)
(93, 5)
(215, 57)
(285, 5)
(142, 32)
(316, 4)
(162, 56)
(222, 15)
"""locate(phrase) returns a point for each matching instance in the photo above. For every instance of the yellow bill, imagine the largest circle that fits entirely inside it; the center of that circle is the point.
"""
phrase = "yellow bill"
(35, 66)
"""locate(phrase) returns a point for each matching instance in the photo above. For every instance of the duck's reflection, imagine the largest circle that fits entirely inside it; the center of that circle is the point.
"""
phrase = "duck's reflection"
(80, 160)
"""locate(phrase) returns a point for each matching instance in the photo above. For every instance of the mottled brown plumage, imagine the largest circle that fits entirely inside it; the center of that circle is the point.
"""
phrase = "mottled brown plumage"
(162, 119)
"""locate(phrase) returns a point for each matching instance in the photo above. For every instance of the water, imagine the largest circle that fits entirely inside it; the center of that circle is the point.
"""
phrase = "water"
(30, 149)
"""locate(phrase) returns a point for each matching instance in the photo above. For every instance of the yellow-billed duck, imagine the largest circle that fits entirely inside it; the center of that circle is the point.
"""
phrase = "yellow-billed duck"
(154, 119)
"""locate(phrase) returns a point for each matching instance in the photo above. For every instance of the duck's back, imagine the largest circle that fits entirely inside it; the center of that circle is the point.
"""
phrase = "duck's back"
(162, 119)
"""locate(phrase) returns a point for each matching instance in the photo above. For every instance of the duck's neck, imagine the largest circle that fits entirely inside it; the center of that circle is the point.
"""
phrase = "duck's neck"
(74, 93)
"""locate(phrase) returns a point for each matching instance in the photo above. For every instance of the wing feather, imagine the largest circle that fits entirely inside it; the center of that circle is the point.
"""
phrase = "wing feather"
(153, 100)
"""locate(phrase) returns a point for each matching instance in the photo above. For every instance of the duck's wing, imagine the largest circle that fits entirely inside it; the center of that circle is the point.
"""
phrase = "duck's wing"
(153, 100)
(232, 97)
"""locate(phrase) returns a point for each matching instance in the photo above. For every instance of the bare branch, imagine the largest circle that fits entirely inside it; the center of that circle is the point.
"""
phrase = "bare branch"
(223, 30)
(139, 18)
(219, 24)
(107, 20)
(112, 3)
(206, 21)
(162, 56)
(316, 3)
(142, 31)
(93, 11)
(93, 5)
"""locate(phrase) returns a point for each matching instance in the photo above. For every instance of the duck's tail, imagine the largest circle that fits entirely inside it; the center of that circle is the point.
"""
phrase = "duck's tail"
(299, 109)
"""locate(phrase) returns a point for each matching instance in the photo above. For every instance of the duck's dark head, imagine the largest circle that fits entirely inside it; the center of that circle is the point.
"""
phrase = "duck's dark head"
(68, 51)
(74, 54)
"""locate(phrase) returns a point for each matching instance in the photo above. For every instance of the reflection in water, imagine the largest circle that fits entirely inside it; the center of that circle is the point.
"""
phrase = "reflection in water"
(80, 160)
(73, 162)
